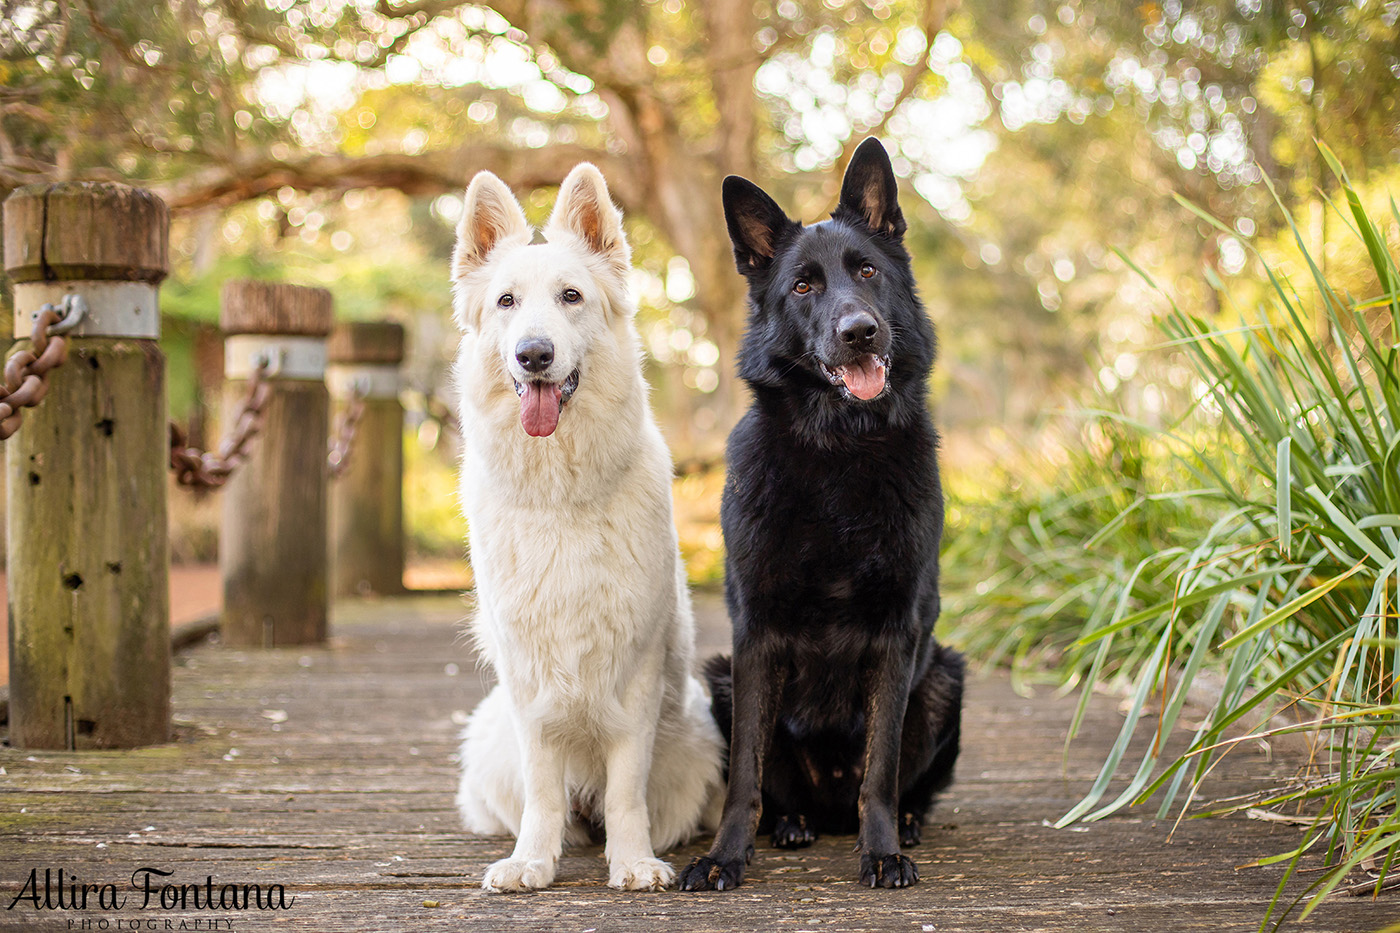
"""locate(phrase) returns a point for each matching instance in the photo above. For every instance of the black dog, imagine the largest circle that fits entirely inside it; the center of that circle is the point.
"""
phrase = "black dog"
(845, 711)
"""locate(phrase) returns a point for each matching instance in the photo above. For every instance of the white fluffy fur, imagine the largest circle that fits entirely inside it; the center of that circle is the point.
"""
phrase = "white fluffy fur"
(582, 605)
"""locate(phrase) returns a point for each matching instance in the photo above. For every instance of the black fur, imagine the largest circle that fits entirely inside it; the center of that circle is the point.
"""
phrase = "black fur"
(841, 710)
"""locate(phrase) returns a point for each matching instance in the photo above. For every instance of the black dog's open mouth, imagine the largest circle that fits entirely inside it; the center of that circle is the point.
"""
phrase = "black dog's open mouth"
(541, 401)
(862, 378)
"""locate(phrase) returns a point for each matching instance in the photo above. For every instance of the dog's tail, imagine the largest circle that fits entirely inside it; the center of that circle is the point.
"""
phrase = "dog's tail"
(720, 678)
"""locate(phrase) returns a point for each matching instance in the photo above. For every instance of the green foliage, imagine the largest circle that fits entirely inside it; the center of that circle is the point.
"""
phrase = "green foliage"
(195, 297)
(1080, 532)
(1098, 113)
(432, 512)
(1273, 561)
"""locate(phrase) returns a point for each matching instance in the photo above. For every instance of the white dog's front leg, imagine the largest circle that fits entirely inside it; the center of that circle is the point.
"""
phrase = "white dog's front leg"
(532, 865)
(632, 866)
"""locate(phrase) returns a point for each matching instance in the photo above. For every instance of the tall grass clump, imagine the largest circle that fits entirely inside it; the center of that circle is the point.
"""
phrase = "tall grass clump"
(1080, 528)
(1291, 593)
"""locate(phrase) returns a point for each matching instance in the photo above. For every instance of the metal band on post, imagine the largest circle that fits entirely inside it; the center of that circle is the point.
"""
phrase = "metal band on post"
(377, 381)
(302, 358)
(110, 309)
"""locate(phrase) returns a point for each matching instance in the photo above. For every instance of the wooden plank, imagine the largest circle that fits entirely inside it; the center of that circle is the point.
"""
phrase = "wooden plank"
(363, 832)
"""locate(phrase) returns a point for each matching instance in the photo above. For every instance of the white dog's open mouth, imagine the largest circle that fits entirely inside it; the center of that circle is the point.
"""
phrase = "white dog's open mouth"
(540, 403)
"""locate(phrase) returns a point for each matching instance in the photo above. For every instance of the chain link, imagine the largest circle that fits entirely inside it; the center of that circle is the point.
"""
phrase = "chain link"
(26, 373)
(338, 458)
(203, 470)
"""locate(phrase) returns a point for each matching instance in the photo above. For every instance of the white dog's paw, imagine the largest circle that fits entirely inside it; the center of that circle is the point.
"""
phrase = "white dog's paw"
(518, 874)
(643, 874)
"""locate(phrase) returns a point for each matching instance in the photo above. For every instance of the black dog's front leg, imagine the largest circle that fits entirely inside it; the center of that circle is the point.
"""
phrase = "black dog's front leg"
(886, 699)
(758, 687)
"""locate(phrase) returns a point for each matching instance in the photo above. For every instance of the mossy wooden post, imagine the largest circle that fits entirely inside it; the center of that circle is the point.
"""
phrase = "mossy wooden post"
(89, 627)
(272, 542)
(367, 499)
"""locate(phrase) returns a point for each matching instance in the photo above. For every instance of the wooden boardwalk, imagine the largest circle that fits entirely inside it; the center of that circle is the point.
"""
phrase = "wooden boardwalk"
(330, 772)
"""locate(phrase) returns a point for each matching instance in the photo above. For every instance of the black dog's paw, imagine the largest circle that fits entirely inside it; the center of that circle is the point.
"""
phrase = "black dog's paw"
(705, 874)
(911, 830)
(887, 871)
(792, 832)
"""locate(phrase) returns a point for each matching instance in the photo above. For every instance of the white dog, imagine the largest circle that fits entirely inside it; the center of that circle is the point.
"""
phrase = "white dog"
(582, 605)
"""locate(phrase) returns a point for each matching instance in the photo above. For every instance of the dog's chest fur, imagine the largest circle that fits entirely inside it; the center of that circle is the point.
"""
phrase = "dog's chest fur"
(856, 527)
(574, 588)
(832, 549)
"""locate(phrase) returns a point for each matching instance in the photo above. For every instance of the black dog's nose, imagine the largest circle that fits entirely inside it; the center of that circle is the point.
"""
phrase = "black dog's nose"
(857, 329)
(535, 354)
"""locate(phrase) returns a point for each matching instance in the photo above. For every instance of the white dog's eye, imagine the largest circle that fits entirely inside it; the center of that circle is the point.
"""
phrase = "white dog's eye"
(505, 301)
(571, 296)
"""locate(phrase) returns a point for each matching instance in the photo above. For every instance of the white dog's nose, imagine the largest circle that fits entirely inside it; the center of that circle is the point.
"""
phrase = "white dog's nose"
(535, 354)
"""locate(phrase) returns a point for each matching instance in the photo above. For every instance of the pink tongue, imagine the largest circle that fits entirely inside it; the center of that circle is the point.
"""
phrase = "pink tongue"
(539, 408)
(865, 378)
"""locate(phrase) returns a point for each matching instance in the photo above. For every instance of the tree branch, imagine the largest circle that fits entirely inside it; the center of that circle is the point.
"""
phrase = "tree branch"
(936, 13)
(430, 174)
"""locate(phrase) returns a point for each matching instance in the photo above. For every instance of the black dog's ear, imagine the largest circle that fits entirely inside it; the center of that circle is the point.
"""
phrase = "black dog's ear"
(756, 224)
(869, 195)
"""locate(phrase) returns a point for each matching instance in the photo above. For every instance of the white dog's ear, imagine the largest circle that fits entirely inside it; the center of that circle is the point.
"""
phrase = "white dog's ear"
(491, 214)
(586, 210)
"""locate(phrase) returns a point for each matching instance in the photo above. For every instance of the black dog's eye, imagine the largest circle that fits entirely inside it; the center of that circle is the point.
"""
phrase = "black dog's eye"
(506, 301)
(571, 296)
(801, 287)
(866, 270)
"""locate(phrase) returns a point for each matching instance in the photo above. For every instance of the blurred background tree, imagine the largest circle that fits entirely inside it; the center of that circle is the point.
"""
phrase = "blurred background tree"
(328, 141)
(1037, 133)
(219, 102)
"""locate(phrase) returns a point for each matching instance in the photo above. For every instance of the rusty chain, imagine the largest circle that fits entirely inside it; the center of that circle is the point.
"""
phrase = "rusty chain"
(204, 470)
(27, 372)
(338, 457)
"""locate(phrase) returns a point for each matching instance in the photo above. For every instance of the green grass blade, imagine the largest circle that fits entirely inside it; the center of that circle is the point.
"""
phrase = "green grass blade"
(1283, 486)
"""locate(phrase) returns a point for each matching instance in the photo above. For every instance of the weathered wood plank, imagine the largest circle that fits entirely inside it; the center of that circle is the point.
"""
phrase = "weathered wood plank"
(363, 832)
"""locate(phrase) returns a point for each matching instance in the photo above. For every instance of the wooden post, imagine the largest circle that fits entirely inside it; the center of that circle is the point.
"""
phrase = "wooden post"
(272, 542)
(89, 627)
(367, 499)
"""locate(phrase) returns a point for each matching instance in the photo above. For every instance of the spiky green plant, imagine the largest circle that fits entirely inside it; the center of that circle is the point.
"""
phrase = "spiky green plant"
(1293, 590)
(1068, 529)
